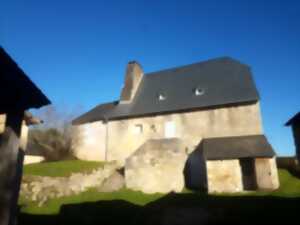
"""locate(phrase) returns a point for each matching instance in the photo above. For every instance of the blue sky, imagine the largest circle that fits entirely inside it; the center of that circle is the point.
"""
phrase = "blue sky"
(77, 51)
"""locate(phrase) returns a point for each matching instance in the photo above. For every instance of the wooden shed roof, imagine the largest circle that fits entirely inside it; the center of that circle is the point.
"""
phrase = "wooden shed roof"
(17, 91)
(295, 119)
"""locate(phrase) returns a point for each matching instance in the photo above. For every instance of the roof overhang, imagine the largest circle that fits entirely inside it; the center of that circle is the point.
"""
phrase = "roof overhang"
(253, 146)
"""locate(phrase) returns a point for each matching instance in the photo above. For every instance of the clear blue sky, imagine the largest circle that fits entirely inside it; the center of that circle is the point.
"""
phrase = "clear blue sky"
(77, 51)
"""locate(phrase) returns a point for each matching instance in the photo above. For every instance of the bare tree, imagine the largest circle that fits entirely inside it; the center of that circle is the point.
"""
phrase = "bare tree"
(56, 138)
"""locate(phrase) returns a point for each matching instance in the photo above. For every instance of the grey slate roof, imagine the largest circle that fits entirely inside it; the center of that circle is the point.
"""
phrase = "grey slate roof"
(17, 91)
(224, 81)
(236, 147)
(294, 120)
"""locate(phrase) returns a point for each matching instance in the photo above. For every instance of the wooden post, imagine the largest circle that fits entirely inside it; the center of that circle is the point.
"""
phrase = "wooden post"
(11, 164)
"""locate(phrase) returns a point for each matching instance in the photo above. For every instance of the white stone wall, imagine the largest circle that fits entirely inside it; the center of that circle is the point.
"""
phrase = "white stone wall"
(92, 141)
(191, 127)
(224, 176)
(24, 131)
(266, 173)
(28, 159)
(2, 122)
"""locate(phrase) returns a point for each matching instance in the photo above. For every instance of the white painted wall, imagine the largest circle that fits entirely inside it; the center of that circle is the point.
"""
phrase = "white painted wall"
(91, 143)
(28, 159)
(266, 173)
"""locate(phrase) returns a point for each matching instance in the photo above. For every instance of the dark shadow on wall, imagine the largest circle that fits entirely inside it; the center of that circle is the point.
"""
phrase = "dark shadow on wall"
(195, 175)
(177, 209)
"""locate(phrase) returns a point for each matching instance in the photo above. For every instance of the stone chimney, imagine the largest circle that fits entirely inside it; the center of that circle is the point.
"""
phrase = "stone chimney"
(133, 77)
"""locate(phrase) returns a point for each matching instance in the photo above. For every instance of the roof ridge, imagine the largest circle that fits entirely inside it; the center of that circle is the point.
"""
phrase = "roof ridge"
(212, 60)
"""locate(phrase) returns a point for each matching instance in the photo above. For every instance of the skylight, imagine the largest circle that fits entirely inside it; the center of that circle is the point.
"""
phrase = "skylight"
(199, 91)
(161, 97)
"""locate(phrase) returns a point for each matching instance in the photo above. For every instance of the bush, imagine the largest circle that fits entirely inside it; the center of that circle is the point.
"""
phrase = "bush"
(52, 143)
(55, 138)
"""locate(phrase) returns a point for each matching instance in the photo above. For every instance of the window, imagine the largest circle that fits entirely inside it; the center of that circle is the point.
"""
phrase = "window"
(138, 129)
(170, 129)
(87, 133)
(153, 128)
(161, 97)
(199, 91)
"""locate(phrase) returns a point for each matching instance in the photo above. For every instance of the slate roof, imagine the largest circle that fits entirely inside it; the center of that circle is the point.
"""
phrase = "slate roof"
(294, 120)
(236, 147)
(17, 91)
(221, 81)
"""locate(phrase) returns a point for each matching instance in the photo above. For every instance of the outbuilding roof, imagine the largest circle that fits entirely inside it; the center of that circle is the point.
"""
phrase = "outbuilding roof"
(295, 119)
(236, 147)
(213, 83)
(17, 91)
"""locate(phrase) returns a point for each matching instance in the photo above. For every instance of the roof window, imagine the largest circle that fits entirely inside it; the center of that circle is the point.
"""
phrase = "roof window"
(198, 91)
(161, 97)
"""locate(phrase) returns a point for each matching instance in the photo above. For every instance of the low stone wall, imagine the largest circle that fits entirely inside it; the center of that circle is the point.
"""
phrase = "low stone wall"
(42, 188)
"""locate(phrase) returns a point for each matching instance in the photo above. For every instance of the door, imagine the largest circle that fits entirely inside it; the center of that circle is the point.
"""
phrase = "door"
(248, 173)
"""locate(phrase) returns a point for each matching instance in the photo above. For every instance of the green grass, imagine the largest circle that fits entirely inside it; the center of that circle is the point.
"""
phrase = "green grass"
(53, 205)
(61, 168)
(133, 207)
(289, 187)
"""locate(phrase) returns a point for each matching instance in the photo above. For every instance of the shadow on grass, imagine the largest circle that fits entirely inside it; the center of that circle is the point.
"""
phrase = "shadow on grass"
(177, 209)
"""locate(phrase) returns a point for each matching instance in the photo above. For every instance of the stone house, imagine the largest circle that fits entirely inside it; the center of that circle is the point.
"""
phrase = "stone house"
(18, 94)
(211, 99)
(294, 122)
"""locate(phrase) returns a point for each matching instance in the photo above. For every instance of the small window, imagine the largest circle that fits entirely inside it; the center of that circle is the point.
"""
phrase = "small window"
(161, 97)
(199, 91)
(153, 128)
(170, 129)
(138, 129)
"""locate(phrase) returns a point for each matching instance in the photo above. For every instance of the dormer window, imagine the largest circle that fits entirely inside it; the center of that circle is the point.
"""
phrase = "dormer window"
(199, 91)
(161, 97)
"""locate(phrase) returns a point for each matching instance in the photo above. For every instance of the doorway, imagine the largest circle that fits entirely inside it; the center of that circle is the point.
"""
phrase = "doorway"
(248, 173)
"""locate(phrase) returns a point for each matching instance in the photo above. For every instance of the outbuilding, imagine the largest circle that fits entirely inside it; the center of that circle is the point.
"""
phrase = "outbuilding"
(294, 122)
(18, 94)
(232, 164)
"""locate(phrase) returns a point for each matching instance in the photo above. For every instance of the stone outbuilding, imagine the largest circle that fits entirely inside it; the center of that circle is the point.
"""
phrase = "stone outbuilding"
(211, 99)
(18, 94)
(294, 122)
(232, 164)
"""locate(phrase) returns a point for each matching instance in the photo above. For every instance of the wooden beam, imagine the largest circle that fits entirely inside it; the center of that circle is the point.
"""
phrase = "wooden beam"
(11, 164)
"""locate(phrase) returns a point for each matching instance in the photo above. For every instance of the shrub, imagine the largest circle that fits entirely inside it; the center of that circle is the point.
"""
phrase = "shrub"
(52, 143)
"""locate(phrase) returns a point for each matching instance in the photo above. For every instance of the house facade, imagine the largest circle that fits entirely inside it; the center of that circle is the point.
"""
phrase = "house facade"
(215, 98)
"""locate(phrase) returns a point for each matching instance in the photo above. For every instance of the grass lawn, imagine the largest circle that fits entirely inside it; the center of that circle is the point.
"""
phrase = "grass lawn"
(92, 207)
(60, 169)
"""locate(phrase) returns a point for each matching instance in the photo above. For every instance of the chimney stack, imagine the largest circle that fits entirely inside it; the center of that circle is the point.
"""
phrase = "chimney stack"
(133, 77)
